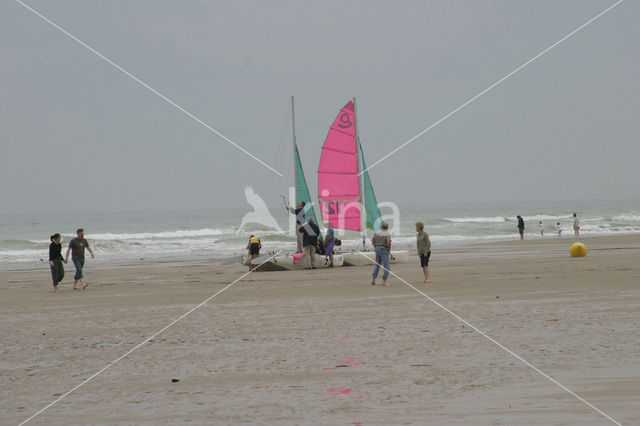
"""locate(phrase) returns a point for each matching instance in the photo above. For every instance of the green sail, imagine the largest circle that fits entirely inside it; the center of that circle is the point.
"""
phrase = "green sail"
(374, 218)
(302, 192)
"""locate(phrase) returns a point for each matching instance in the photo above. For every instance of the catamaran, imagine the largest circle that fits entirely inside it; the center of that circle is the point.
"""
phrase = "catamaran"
(291, 261)
(344, 186)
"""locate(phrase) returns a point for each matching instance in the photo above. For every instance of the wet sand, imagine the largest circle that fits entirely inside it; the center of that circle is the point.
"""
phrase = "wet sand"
(325, 347)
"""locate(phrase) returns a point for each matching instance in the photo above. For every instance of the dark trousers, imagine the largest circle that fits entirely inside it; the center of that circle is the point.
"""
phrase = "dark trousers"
(57, 272)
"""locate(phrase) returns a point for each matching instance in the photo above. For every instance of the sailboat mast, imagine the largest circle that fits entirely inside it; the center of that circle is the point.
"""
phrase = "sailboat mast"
(295, 148)
(363, 216)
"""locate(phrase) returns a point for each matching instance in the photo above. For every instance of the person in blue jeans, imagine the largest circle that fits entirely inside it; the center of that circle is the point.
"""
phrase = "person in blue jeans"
(382, 244)
(76, 247)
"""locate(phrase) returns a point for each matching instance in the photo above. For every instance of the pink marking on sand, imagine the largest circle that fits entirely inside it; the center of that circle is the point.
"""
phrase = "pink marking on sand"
(345, 391)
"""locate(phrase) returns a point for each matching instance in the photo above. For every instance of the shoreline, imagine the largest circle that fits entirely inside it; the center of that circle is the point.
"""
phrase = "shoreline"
(448, 249)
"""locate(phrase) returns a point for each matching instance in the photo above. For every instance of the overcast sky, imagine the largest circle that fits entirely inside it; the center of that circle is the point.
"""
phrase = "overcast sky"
(75, 133)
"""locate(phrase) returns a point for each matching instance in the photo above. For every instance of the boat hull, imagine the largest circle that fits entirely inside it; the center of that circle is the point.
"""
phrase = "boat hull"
(284, 262)
(357, 258)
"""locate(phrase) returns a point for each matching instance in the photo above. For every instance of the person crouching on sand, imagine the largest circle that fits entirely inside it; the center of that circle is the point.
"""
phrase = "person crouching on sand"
(254, 246)
(76, 247)
(55, 261)
(424, 250)
(382, 242)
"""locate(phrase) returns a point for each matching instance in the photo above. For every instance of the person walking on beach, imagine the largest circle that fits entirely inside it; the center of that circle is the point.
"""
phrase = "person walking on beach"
(559, 229)
(576, 225)
(521, 227)
(310, 232)
(254, 246)
(382, 243)
(541, 228)
(55, 261)
(424, 250)
(329, 242)
(76, 247)
(300, 220)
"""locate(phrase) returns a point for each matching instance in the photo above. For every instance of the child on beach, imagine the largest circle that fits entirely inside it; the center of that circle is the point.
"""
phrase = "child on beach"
(541, 228)
(559, 229)
(55, 260)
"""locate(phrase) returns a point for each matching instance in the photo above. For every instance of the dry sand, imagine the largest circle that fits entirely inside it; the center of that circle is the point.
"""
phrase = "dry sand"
(325, 347)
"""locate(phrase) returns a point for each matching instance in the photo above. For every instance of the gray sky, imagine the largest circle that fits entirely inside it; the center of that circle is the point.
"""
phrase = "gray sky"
(76, 133)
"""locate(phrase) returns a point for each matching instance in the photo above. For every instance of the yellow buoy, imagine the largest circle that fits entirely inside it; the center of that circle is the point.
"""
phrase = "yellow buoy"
(578, 250)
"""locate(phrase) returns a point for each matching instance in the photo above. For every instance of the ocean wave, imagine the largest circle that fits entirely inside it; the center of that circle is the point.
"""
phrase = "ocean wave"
(496, 219)
(535, 217)
(540, 217)
(627, 218)
(216, 237)
(183, 233)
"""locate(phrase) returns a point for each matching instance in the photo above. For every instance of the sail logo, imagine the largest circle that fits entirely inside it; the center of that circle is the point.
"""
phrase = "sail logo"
(260, 214)
(345, 121)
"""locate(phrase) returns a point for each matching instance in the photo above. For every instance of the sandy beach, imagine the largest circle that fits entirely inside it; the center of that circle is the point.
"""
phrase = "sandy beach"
(325, 347)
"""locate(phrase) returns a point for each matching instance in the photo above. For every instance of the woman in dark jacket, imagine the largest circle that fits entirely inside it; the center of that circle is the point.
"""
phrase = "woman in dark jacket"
(55, 261)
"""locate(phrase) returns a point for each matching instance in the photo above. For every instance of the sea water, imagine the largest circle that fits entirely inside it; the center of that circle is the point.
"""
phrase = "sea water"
(215, 234)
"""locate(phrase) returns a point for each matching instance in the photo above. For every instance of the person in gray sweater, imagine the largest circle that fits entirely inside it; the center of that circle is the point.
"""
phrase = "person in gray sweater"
(424, 249)
(382, 243)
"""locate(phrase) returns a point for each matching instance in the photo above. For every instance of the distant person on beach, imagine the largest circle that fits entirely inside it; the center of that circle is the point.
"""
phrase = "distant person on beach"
(300, 220)
(541, 228)
(576, 225)
(329, 242)
(521, 227)
(310, 232)
(424, 250)
(76, 247)
(559, 229)
(55, 261)
(254, 246)
(382, 243)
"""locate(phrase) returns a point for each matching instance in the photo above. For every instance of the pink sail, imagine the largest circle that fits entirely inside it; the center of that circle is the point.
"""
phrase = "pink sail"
(338, 185)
